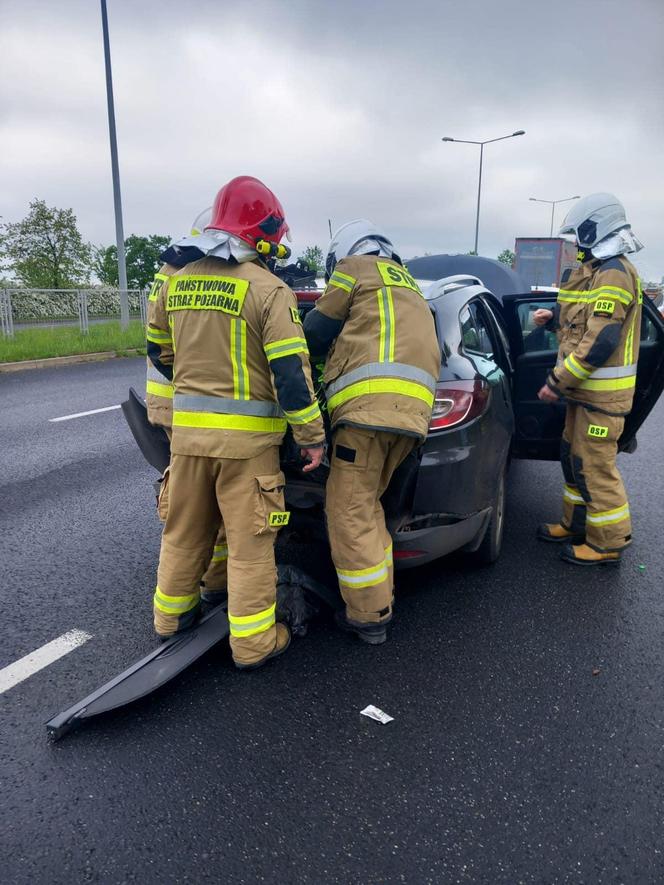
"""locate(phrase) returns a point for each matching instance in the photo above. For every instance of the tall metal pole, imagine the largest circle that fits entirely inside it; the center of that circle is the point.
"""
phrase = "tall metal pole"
(553, 204)
(553, 209)
(117, 201)
(479, 192)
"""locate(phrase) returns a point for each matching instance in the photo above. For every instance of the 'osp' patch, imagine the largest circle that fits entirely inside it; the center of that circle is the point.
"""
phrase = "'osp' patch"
(597, 431)
(604, 307)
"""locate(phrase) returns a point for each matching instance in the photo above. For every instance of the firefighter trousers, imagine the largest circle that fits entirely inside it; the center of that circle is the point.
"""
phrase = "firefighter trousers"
(361, 466)
(248, 497)
(594, 497)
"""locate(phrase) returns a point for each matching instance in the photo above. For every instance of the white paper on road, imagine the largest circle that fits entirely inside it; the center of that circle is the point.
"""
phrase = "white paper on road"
(374, 713)
(42, 657)
(83, 414)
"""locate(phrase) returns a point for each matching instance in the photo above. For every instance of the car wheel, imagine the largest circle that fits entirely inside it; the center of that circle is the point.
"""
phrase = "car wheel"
(492, 542)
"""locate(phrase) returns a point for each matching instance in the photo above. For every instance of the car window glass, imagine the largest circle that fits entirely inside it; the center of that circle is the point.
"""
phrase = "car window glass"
(648, 330)
(535, 337)
(474, 331)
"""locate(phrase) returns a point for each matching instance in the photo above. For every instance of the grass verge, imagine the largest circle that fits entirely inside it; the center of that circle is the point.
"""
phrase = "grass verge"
(35, 344)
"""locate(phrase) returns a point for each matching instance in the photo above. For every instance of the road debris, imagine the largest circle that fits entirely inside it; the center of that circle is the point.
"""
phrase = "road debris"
(374, 713)
(596, 671)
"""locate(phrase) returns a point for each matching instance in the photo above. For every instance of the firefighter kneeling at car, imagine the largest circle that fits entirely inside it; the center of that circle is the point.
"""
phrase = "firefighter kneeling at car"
(598, 319)
(233, 335)
(383, 363)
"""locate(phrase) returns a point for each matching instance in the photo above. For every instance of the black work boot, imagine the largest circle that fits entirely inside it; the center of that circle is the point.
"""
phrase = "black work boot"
(373, 634)
(210, 599)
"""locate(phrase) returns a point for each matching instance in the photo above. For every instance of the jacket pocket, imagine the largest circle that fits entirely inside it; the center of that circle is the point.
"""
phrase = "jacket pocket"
(575, 324)
(269, 511)
(162, 495)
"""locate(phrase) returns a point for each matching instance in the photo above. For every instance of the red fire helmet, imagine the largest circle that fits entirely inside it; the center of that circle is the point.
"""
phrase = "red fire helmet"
(248, 209)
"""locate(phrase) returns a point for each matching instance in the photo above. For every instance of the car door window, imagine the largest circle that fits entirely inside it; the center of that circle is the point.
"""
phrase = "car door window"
(475, 334)
(535, 338)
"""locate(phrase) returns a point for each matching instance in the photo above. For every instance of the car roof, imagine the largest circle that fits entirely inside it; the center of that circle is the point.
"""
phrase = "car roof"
(500, 279)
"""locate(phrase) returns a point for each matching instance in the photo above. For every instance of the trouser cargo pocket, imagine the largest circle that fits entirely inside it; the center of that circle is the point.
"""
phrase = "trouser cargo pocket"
(270, 515)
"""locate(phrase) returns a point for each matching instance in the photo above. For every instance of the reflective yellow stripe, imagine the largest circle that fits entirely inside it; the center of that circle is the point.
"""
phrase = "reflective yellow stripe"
(249, 625)
(572, 495)
(285, 347)
(386, 316)
(214, 421)
(342, 281)
(609, 383)
(157, 283)
(389, 560)
(156, 389)
(239, 359)
(576, 295)
(357, 579)
(303, 416)
(572, 365)
(629, 343)
(381, 385)
(609, 517)
(174, 605)
(220, 553)
(158, 336)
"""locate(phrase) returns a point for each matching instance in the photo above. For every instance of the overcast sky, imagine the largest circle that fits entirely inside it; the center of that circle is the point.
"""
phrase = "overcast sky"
(340, 108)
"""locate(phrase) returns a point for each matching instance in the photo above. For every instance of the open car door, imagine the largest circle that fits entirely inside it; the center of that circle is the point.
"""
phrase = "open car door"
(539, 425)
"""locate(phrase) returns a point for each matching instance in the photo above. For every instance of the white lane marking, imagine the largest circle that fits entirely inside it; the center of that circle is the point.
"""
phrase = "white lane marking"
(40, 658)
(82, 414)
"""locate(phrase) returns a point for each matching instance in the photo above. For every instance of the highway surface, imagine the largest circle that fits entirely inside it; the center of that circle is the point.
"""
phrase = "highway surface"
(528, 697)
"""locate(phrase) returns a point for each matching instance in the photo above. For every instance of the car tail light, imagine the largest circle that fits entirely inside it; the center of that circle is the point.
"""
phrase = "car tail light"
(408, 554)
(457, 402)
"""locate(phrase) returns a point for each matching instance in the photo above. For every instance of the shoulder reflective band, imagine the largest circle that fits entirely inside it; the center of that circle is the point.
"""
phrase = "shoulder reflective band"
(342, 281)
(158, 336)
(605, 305)
(220, 405)
(157, 283)
(575, 368)
(577, 295)
(285, 347)
(249, 625)
(239, 359)
(303, 416)
(382, 370)
(208, 292)
(358, 579)
(392, 275)
(279, 518)
(175, 605)
(597, 431)
(608, 517)
(295, 316)
(387, 332)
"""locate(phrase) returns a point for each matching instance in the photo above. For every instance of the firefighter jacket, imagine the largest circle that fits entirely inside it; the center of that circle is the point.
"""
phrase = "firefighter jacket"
(230, 337)
(599, 328)
(158, 387)
(383, 357)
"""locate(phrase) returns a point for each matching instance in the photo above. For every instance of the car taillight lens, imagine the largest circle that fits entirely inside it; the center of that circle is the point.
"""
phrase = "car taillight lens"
(458, 402)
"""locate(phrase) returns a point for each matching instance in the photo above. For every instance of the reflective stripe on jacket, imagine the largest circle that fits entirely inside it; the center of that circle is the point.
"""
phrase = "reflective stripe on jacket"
(240, 362)
(158, 386)
(383, 357)
(599, 332)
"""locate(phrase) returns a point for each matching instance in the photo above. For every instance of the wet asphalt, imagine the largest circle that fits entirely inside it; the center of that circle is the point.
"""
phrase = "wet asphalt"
(528, 697)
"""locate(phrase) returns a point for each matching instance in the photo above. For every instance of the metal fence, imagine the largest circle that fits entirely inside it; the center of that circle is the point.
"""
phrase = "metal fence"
(34, 308)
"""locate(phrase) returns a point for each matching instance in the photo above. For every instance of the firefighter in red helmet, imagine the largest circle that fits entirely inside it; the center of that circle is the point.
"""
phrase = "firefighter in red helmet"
(234, 344)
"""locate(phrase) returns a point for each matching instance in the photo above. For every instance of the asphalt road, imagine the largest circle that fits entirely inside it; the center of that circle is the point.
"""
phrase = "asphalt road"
(528, 699)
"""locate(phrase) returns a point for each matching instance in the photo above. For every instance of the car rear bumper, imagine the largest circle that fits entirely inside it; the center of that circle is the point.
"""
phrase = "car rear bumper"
(442, 535)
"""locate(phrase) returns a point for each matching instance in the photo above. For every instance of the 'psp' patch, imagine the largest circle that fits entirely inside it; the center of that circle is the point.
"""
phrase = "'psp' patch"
(295, 316)
(597, 431)
(278, 519)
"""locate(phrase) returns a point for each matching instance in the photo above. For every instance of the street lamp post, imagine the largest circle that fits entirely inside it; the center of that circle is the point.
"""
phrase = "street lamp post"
(479, 183)
(115, 170)
(553, 203)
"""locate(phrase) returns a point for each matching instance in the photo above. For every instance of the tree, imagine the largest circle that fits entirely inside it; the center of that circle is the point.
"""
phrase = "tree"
(142, 257)
(46, 250)
(313, 257)
(506, 257)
